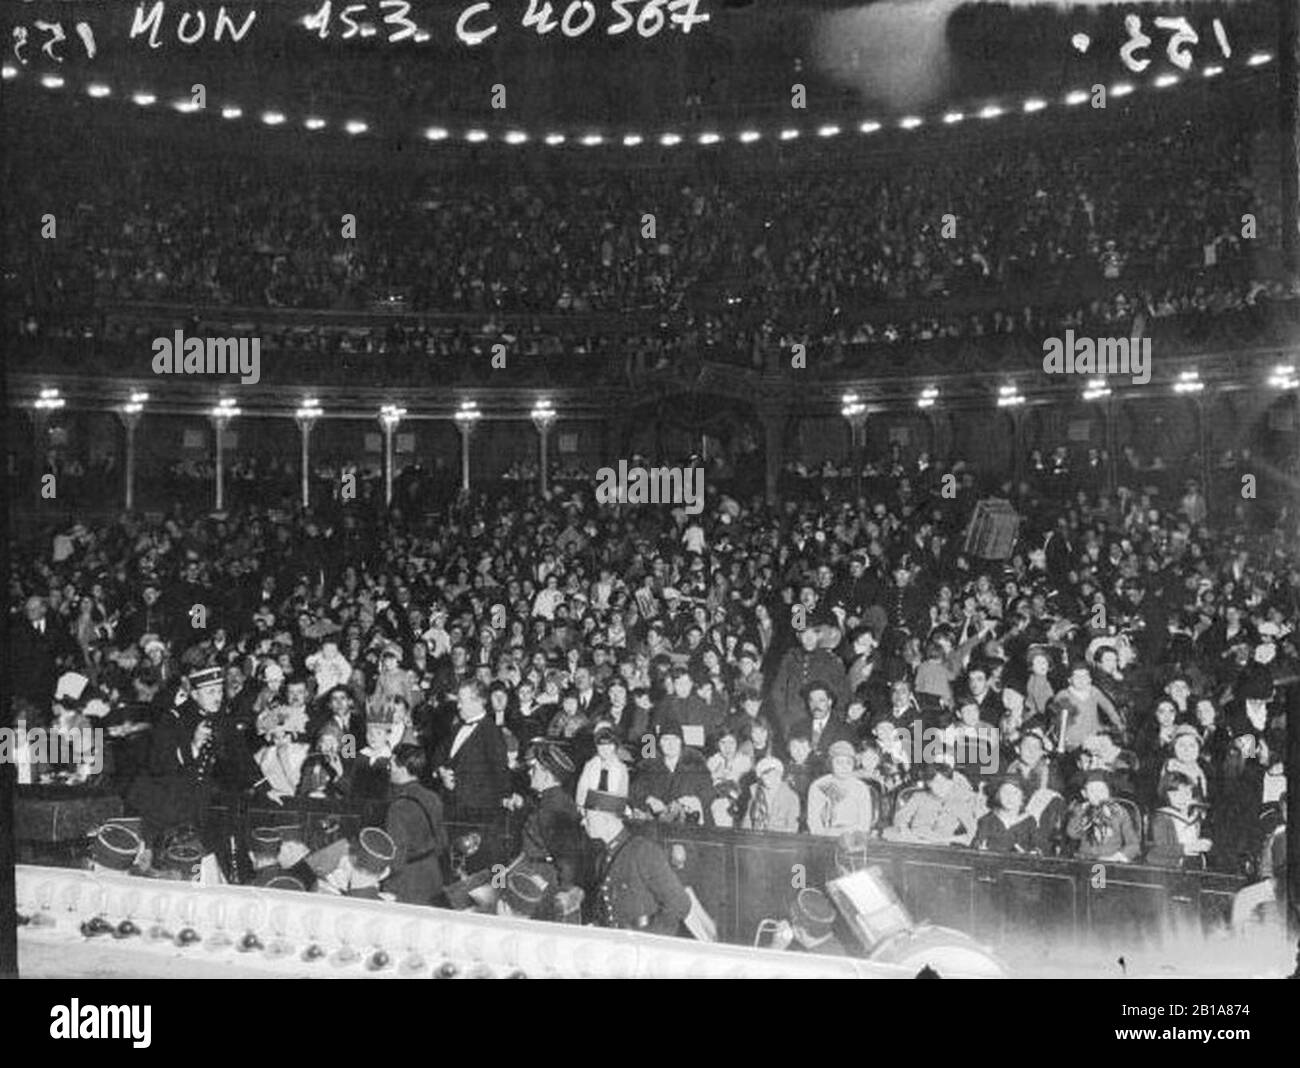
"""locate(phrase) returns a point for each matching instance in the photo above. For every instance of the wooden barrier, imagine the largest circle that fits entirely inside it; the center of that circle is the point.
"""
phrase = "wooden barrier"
(743, 877)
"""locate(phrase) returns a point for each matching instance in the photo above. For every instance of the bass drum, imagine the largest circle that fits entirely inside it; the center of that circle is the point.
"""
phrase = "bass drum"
(951, 953)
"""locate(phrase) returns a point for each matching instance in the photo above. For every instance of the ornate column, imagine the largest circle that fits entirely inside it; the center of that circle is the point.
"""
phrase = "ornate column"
(306, 417)
(855, 412)
(466, 419)
(543, 419)
(389, 416)
(48, 401)
(130, 415)
(772, 414)
(221, 416)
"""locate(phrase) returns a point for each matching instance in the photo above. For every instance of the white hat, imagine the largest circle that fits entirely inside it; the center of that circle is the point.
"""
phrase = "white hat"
(1269, 629)
(767, 764)
(70, 687)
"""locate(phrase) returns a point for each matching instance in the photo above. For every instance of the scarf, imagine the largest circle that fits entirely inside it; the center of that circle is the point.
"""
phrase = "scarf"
(1099, 823)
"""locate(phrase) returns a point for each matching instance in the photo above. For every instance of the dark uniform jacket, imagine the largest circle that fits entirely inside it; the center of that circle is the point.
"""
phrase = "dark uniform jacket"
(176, 787)
(638, 890)
(415, 824)
(553, 835)
(799, 669)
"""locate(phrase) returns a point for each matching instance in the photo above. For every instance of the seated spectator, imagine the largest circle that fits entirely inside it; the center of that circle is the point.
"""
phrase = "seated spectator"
(1212, 733)
(840, 801)
(696, 719)
(799, 771)
(568, 722)
(281, 760)
(1007, 827)
(855, 719)
(329, 746)
(895, 754)
(756, 740)
(329, 666)
(1013, 723)
(824, 726)
(339, 711)
(1043, 787)
(1186, 761)
(941, 814)
(676, 785)
(773, 805)
(1156, 735)
(903, 708)
(605, 771)
(728, 764)
(971, 745)
(1176, 828)
(1102, 828)
(1099, 752)
(370, 772)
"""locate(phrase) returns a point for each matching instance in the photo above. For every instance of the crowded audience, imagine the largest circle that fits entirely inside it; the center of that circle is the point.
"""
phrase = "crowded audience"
(1114, 690)
(1139, 230)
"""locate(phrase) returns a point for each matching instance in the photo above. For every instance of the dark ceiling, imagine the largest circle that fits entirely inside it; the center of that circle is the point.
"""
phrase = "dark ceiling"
(872, 59)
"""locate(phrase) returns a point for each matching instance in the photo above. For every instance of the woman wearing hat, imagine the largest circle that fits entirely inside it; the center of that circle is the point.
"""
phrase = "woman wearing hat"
(840, 801)
(772, 805)
(676, 784)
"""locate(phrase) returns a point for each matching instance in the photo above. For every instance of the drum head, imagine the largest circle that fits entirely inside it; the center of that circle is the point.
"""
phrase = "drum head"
(870, 906)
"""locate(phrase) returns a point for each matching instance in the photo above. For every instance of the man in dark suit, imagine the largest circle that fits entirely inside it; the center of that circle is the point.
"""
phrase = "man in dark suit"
(591, 702)
(38, 641)
(474, 771)
(823, 725)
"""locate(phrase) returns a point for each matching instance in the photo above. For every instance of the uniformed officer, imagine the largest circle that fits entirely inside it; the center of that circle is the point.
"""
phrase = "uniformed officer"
(811, 926)
(636, 888)
(194, 753)
(415, 824)
(552, 832)
(371, 864)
